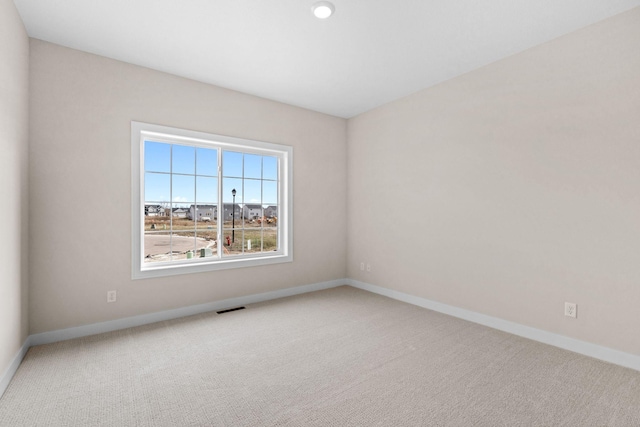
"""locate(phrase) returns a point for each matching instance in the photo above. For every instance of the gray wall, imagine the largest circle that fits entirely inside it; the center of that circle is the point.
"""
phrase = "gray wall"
(14, 111)
(525, 175)
(81, 109)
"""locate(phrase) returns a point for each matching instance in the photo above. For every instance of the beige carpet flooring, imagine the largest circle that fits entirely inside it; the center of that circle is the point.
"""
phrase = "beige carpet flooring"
(340, 357)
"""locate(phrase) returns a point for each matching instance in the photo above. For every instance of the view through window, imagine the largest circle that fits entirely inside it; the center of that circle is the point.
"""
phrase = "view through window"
(207, 201)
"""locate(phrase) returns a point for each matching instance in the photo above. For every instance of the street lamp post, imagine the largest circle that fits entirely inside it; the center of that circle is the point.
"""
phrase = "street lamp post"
(233, 217)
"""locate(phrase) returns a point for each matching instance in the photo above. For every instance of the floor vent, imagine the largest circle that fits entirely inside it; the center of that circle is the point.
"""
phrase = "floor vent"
(229, 310)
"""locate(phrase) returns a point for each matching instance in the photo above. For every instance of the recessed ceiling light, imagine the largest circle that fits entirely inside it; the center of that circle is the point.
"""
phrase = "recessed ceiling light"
(322, 9)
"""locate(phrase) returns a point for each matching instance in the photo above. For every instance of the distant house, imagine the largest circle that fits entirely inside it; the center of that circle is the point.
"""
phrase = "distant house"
(200, 211)
(154, 210)
(179, 212)
(232, 211)
(271, 211)
(249, 211)
(252, 211)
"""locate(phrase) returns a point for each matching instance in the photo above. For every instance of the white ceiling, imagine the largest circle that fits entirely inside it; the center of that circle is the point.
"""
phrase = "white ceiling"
(368, 53)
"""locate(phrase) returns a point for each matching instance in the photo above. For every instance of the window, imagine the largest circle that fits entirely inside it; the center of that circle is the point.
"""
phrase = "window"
(197, 175)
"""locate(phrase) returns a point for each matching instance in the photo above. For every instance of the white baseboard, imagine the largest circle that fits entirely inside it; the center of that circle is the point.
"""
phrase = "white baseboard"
(13, 366)
(144, 319)
(592, 350)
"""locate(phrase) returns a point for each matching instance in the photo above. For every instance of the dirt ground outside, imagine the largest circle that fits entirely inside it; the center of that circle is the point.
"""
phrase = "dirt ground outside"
(160, 244)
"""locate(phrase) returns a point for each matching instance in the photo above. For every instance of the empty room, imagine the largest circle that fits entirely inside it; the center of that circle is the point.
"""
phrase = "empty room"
(320, 213)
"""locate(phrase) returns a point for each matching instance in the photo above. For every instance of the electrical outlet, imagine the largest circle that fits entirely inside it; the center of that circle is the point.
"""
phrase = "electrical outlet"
(570, 309)
(362, 266)
(368, 267)
(111, 296)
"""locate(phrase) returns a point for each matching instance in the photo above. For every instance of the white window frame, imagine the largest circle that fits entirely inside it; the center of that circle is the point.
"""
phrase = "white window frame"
(141, 131)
